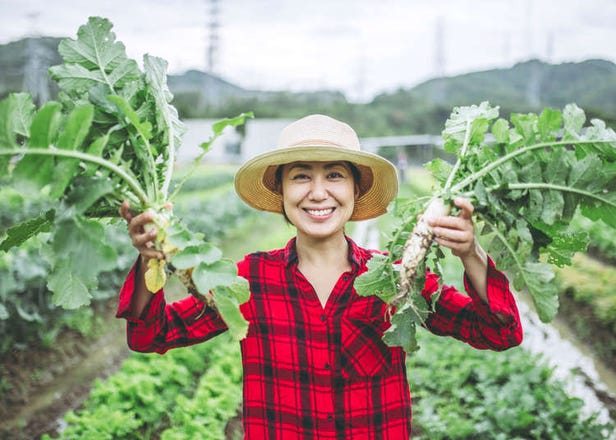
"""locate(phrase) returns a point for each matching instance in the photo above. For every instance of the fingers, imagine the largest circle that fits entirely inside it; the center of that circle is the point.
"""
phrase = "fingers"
(125, 211)
(455, 232)
(141, 238)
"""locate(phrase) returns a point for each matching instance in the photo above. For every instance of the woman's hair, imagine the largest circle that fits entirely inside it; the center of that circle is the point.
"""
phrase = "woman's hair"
(354, 172)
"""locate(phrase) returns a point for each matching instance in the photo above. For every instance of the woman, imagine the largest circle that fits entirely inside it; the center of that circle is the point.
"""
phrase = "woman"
(315, 365)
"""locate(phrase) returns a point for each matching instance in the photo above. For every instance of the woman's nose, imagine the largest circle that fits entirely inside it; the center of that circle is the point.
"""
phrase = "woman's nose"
(318, 189)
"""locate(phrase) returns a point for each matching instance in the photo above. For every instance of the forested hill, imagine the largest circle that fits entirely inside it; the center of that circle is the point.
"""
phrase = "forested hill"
(527, 86)
(530, 85)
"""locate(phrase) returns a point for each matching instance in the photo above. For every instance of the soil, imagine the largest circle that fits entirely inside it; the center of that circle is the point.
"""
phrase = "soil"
(41, 384)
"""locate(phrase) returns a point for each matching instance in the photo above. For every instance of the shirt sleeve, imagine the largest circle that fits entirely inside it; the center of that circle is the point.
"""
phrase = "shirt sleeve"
(470, 319)
(164, 326)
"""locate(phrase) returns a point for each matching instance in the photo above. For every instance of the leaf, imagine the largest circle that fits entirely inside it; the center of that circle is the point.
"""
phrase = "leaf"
(228, 300)
(573, 119)
(439, 168)
(208, 276)
(549, 124)
(565, 245)
(525, 126)
(553, 204)
(539, 281)
(403, 329)
(16, 114)
(81, 253)
(180, 237)
(94, 58)
(34, 172)
(143, 128)
(192, 256)
(155, 276)
(19, 234)
(155, 70)
(377, 280)
(69, 289)
(500, 130)
(71, 137)
(86, 192)
(461, 119)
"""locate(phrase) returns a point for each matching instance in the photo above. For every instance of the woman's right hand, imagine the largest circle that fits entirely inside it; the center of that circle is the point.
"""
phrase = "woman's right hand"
(142, 240)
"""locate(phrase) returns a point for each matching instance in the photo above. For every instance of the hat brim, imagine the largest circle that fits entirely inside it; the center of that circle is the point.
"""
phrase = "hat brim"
(378, 185)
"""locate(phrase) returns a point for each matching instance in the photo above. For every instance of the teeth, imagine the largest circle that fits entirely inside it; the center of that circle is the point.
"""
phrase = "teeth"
(320, 212)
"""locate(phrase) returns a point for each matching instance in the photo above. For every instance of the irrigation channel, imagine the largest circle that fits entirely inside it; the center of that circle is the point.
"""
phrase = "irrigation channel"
(586, 377)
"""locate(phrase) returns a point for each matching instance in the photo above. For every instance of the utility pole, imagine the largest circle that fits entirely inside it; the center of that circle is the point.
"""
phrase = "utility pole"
(439, 61)
(34, 79)
(213, 26)
(439, 48)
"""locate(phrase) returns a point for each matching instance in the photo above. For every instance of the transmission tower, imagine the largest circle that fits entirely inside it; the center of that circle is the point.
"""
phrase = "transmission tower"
(439, 48)
(213, 26)
(35, 79)
(439, 61)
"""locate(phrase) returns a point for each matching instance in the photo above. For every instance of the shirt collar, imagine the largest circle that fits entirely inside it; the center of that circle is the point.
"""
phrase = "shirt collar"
(357, 255)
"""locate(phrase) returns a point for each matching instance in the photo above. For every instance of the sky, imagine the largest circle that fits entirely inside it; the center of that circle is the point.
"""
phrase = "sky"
(360, 47)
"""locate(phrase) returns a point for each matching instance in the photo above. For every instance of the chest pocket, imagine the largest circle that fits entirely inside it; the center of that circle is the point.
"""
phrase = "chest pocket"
(363, 353)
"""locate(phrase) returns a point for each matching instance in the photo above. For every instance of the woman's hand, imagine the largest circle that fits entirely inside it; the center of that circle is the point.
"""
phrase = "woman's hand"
(456, 232)
(142, 240)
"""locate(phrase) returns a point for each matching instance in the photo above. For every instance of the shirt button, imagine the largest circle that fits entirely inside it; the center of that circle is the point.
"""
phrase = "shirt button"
(327, 366)
(330, 417)
(322, 318)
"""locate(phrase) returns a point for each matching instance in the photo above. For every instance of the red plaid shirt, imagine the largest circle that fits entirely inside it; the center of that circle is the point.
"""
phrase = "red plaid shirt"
(314, 372)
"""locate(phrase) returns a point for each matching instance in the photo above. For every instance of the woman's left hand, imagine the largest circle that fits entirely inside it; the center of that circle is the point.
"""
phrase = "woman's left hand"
(456, 232)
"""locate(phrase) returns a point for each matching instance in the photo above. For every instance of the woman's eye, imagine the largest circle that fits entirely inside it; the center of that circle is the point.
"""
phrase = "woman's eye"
(336, 175)
(300, 177)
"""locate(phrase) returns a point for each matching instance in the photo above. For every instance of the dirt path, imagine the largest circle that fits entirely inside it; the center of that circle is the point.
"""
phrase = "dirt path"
(43, 384)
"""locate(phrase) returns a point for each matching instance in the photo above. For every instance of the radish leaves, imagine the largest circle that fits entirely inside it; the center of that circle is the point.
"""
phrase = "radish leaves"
(112, 136)
(526, 177)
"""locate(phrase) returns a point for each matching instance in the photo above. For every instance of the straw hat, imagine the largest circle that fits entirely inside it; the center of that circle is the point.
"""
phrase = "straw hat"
(323, 139)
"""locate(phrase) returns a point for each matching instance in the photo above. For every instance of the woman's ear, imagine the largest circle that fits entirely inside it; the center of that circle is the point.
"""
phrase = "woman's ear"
(357, 190)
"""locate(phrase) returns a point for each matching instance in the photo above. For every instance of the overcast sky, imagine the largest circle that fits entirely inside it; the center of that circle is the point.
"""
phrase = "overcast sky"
(361, 47)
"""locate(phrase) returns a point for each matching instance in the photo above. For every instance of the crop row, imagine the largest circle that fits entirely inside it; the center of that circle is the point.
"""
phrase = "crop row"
(150, 394)
(458, 393)
(463, 393)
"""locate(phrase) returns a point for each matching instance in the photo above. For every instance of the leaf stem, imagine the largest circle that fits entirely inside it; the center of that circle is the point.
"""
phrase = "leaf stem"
(543, 185)
(467, 137)
(479, 174)
(132, 183)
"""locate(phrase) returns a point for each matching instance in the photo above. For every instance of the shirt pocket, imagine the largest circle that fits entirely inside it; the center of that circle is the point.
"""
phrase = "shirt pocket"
(363, 353)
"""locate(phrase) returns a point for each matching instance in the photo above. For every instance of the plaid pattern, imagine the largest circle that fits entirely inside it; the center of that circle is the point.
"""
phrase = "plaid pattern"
(320, 373)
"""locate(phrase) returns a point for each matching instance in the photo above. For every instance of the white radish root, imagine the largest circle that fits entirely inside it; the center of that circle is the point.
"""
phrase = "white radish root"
(416, 248)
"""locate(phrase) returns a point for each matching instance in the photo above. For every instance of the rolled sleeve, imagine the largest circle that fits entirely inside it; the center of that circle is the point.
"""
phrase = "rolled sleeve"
(163, 326)
(494, 324)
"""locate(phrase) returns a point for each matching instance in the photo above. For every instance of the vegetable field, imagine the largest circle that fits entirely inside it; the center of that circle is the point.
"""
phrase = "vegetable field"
(195, 392)
(544, 188)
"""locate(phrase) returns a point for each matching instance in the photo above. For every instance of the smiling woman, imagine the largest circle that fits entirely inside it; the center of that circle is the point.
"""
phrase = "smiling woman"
(311, 337)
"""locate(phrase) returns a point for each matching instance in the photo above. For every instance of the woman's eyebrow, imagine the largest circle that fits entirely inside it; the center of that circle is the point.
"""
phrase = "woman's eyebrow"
(307, 166)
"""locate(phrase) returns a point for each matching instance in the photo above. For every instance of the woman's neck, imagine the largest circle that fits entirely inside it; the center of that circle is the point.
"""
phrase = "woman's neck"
(315, 252)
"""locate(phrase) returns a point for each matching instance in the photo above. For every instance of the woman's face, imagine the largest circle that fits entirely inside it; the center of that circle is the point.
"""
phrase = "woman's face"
(318, 197)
